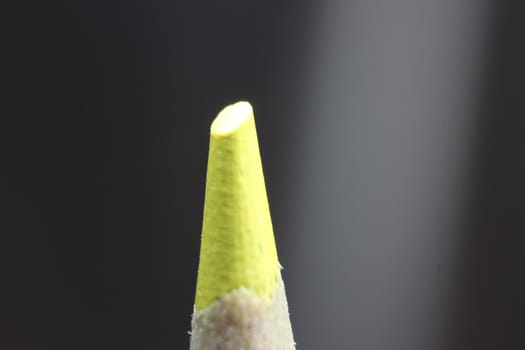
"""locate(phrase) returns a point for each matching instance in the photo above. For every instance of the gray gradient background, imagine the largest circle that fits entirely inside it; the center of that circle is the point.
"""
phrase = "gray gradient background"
(392, 137)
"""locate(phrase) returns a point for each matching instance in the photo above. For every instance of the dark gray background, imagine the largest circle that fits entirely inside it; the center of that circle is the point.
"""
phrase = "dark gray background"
(392, 135)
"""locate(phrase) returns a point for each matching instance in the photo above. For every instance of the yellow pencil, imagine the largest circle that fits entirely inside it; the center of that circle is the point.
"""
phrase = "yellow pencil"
(240, 302)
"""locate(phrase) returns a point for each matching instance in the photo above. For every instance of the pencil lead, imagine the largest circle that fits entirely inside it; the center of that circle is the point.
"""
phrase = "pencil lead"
(238, 246)
(240, 301)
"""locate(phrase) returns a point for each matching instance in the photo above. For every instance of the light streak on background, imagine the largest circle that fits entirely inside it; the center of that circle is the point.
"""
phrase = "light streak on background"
(385, 151)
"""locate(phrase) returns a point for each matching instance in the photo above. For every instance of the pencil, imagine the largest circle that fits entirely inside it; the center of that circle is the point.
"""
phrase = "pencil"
(240, 301)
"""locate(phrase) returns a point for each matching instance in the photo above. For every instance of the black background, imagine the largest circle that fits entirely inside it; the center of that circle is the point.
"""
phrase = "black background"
(104, 136)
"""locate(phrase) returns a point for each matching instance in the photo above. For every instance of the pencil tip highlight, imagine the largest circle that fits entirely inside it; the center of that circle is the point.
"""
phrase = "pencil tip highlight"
(230, 118)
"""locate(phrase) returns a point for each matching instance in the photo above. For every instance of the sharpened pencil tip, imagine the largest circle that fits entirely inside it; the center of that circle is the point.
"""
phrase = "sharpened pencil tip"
(240, 301)
(237, 245)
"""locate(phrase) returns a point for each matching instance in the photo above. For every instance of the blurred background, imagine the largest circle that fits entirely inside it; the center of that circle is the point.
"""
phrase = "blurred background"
(392, 136)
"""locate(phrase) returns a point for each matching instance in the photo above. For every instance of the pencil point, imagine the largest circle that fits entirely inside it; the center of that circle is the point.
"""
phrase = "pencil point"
(230, 118)
(238, 246)
(240, 302)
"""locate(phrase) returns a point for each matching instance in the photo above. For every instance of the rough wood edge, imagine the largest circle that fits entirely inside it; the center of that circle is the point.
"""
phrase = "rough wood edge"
(241, 320)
